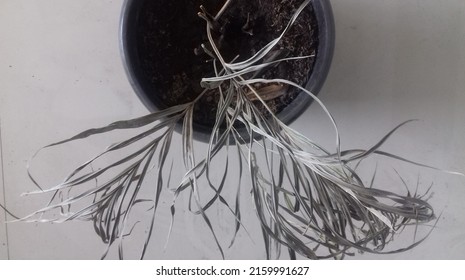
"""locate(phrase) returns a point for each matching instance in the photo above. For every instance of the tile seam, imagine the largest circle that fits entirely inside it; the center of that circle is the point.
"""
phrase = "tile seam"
(4, 192)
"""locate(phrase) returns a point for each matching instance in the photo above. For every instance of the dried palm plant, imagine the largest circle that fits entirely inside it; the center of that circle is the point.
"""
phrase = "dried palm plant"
(306, 198)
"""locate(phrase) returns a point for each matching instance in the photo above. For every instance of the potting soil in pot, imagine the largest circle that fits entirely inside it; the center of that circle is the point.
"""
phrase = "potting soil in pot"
(170, 33)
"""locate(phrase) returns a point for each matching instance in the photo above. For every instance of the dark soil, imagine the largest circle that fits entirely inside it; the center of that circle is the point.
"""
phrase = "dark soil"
(169, 31)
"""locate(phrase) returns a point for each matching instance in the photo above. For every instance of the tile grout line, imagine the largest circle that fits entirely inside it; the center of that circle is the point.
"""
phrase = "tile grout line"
(4, 193)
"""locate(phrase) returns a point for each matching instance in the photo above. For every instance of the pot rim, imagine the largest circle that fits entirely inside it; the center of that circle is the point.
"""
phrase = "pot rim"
(324, 55)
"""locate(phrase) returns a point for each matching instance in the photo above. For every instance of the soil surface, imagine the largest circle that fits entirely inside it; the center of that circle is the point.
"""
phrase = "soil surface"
(169, 32)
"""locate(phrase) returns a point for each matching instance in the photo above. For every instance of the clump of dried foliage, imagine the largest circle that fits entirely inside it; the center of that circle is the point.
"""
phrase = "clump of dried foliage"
(306, 198)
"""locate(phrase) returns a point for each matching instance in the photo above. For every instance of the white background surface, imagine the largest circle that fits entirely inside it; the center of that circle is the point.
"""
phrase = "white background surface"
(61, 72)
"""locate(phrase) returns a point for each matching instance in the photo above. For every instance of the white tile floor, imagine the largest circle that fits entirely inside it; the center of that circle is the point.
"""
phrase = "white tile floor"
(60, 72)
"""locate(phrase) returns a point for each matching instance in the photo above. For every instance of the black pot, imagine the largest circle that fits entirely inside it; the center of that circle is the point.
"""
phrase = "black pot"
(140, 84)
